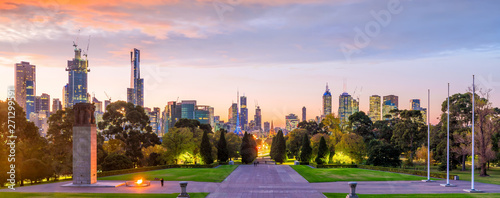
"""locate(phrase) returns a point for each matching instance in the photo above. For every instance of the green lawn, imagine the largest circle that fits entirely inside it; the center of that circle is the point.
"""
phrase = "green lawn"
(481, 195)
(494, 177)
(111, 195)
(180, 174)
(349, 174)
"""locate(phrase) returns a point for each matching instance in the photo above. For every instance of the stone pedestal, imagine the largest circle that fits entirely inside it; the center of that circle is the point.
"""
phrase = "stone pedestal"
(352, 194)
(296, 163)
(184, 193)
(231, 162)
(84, 145)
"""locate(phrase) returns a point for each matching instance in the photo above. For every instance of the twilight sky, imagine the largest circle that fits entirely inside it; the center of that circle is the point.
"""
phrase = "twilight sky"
(278, 53)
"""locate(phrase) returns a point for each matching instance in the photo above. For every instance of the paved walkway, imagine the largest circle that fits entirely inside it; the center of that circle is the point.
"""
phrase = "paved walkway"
(271, 181)
(265, 181)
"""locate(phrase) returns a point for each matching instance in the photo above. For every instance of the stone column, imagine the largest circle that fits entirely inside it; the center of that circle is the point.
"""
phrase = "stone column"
(184, 193)
(352, 194)
(84, 144)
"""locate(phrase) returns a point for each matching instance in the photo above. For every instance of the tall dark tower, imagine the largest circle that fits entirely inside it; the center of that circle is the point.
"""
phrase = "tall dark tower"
(244, 113)
(327, 102)
(135, 94)
(304, 114)
(258, 119)
(237, 129)
(77, 79)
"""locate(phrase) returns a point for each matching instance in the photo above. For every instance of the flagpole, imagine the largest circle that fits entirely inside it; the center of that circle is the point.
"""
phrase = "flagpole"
(448, 145)
(472, 190)
(428, 137)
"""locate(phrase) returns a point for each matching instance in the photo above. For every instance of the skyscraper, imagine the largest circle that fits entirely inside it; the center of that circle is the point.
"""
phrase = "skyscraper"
(354, 106)
(106, 103)
(25, 87)
(304, 114)
(327, 102)
(258, 119)
(98, 105)
(135, 94)
(292, 121)
(415, 104)
(232, 114)
(393, 99)
(243, 113)
(390, 103)
(374, 112)
(76, 90)
(56, 105)
(188, 107)
(42, 103)
(345, 107)
(202, 114)
(266, 127)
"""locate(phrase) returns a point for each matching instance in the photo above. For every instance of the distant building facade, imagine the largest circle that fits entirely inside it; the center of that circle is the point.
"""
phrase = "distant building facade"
(25, 87)
(327, 102)
(135, 94)
(375, 104)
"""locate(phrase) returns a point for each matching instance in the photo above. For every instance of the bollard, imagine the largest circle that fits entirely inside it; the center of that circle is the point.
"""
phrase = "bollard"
(183, 185)
(353, 190)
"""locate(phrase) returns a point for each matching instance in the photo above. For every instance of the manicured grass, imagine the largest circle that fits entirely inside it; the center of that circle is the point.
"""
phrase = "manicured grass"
(349, 174)
(494, 177)
(180, 174)
(111, 195)
(456, 195)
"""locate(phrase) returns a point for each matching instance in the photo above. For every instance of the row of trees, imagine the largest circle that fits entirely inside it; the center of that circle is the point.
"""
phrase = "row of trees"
(382, 142)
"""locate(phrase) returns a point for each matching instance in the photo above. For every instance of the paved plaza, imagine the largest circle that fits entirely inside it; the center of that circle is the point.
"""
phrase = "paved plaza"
(270, 181)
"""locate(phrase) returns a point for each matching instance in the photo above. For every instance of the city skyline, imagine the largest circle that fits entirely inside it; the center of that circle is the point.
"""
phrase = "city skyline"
(281, 56)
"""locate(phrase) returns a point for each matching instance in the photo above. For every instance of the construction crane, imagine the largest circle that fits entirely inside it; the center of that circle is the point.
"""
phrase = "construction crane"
(109, 98)
(87, 51)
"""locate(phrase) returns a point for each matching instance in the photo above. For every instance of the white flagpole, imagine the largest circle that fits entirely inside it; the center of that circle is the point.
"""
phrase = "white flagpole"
(473, 131)
(428, 137)
(448, 145)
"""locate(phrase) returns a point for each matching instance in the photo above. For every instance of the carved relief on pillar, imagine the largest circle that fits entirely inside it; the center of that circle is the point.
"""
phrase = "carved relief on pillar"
(84, 114)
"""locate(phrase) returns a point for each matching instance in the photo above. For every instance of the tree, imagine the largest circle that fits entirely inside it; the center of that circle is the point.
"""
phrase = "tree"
(233, 145)
(206, 149)
(486, 126)
(130, 124)
(154, 159)
(305, 150)
(60, 134)
(35, 170)
(178, 141)
(222, 152)
(353, 146)
(116, 162)
(294, 142)
(280, 152)
(361, 124)
(381, 153)
(248, 150)
(311, 127)
(409, 132)
(274, 145)
(322, 151)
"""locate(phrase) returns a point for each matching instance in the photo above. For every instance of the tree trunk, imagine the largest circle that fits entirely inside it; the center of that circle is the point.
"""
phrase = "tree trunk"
(463, 162)
(483, 170)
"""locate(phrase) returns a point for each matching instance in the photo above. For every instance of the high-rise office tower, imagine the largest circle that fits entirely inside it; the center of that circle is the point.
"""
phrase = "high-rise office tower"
(374, 112)
(98, 105)
(415, 104)
(304, 114)
(135, 94)
(266, 127)
(292, 122)
(345, 107)
(76, 90)
(42, 103)
(25, 87)
(106, 103)
(56, 105)
(327, 102)
(202, 114)
(354, 106)
(258, 119)
(232, 114)
(393, 99)
(243, 113)
(188, 108)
